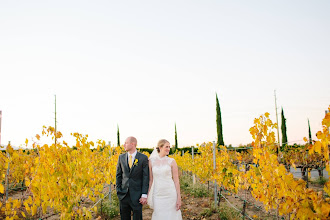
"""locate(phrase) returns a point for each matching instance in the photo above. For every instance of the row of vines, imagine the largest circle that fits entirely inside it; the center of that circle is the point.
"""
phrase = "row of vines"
(59, 178)
(268, 180)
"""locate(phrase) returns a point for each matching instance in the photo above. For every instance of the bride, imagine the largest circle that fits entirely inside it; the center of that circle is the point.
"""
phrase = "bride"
(164, 187)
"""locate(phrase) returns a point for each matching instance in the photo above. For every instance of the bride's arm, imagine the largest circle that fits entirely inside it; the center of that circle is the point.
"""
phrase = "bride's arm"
(150, 176)
(175, 175)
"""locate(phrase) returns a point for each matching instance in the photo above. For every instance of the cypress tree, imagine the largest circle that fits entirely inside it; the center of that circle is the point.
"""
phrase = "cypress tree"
(283, 128)
(176, 139)
(219, 123)
(309, 133)
(118, 136)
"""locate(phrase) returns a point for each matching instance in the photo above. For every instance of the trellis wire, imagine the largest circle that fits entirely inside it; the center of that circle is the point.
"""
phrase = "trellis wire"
(99, 200)
(238, 197)
(235, 207)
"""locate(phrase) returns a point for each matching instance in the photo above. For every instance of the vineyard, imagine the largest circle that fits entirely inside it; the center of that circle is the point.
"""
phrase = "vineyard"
(268, 180)
(59, 179)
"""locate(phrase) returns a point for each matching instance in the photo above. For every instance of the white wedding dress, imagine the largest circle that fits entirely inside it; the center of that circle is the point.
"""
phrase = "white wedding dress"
(162, 196)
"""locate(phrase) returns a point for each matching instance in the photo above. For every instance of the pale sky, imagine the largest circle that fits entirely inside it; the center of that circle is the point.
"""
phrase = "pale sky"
(146, 65)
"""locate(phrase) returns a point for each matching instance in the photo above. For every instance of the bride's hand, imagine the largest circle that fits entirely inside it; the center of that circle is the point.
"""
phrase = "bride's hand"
(178, 205)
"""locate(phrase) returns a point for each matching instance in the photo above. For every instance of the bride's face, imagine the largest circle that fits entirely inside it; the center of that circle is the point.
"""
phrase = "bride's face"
(165, 150)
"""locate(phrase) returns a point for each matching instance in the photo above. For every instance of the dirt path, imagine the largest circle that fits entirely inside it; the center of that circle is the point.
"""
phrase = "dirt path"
(191, 208)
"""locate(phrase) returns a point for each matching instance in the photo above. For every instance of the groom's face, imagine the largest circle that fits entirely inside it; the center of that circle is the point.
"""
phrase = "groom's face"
(128, 145)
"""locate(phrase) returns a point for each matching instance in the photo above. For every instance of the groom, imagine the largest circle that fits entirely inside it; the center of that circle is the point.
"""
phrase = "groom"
(132, 181)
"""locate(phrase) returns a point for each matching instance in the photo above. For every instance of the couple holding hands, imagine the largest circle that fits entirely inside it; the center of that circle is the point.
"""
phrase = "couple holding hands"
(153, 181)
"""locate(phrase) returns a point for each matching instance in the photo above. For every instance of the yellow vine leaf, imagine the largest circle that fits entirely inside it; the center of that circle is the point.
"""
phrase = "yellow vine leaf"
(34, 209)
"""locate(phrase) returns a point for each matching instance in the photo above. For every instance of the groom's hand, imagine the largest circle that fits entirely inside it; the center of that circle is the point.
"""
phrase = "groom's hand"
(143, 201)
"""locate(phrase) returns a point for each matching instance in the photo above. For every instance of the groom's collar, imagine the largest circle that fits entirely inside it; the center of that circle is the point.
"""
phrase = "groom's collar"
(133, 154)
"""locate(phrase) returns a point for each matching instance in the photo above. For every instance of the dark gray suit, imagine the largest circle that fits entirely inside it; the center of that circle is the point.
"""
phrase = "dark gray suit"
(131, 184)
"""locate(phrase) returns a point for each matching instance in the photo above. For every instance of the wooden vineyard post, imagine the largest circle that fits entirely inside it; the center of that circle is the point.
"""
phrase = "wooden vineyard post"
(55, 124)
(244, 201)
(101, 207)
(326, 112)
(215, 182)
(7, 173)
(278, 131)
(219, 196)
(244, 207)
(192, 156)
(182, 153)
(110, 182)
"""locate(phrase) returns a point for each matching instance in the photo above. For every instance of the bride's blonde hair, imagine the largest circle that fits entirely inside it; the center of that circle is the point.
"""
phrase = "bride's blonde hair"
(161, 143)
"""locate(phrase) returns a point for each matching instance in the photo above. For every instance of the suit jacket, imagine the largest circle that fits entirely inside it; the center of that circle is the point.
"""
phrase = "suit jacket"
(134, 180)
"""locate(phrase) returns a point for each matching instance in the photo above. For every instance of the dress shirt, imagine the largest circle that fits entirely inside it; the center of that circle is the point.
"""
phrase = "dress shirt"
(133, 159)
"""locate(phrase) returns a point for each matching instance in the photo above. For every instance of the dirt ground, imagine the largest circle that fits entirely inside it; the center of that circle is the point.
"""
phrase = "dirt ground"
(193, 207)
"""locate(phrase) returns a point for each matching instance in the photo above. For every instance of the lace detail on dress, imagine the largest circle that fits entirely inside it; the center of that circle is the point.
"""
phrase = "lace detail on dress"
(161, 161)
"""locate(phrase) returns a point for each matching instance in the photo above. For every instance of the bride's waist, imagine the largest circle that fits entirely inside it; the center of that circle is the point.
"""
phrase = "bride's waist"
(163, 179)
(164, 182)
(164, 189)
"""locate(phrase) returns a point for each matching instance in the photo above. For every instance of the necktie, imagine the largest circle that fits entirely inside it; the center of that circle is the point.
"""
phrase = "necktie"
(130, 161)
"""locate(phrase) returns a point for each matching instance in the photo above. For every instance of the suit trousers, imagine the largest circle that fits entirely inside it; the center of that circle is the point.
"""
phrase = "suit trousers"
(126, 208)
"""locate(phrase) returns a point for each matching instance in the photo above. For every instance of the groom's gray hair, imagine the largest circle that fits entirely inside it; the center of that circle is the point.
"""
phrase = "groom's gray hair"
(132, 139)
